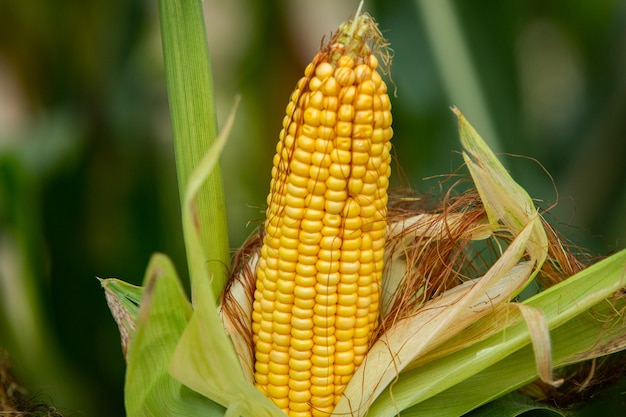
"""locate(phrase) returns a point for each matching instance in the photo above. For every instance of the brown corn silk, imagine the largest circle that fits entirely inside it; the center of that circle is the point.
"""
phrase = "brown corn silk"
(316, 303)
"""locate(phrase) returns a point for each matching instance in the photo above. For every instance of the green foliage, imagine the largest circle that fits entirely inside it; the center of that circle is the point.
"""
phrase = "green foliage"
(161, 319)
(194, 124)
(514, 407)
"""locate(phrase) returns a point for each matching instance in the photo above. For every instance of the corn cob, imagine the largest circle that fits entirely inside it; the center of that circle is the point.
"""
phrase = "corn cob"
(318, 278)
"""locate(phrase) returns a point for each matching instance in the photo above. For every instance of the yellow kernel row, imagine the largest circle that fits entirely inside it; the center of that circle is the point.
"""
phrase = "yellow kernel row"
(316, 301)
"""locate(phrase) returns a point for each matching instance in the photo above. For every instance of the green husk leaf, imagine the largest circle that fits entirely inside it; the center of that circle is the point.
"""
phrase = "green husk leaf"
(192, 230)
(513, 407)
(128, 295)
(583, 325)
(162, 316)
(570, 343)
(123, 300)
(508, 205)
(206, 362)
(160, 313)
(204, 359)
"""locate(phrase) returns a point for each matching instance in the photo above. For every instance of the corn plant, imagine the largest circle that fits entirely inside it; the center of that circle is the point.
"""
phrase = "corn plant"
(350, 302)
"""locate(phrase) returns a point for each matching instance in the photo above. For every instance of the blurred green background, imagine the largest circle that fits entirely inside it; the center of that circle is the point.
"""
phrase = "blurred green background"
(87, 177)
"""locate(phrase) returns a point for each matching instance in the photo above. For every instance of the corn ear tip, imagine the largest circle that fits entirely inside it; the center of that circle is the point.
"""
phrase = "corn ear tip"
(360, 37)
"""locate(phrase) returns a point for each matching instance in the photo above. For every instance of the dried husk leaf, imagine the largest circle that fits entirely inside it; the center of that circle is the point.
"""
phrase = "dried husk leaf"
(235, 308)
(407, 240)
(540, 337)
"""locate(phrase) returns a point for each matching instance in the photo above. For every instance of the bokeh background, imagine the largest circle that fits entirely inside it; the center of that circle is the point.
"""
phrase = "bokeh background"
(87, 177)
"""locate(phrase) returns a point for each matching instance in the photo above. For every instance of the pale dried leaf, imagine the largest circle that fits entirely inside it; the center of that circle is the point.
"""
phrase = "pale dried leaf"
(540, 336)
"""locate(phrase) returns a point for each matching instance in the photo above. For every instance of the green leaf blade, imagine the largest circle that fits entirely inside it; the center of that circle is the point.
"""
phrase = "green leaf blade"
(206, 362)
(162, 317)
(194, 123)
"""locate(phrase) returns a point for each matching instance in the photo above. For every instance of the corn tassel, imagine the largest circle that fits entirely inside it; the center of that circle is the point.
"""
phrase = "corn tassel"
(316, 302)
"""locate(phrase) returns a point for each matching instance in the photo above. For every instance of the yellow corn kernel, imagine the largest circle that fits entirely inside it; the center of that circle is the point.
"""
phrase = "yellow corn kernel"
(318, 279)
